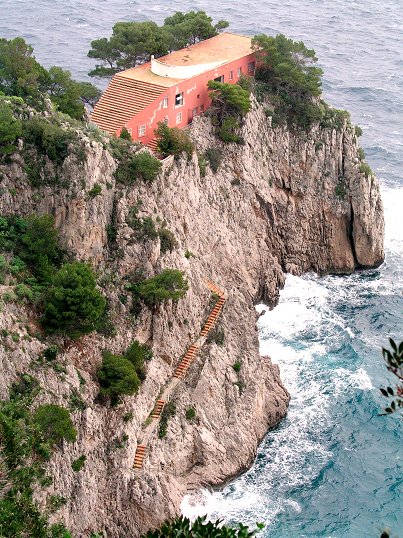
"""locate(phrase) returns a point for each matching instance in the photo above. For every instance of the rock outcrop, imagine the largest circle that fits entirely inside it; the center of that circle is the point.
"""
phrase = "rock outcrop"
(279, 203)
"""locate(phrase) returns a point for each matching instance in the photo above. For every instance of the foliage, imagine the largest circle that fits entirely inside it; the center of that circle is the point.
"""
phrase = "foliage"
(10, 129)
(173, 141)
(137, 354)
(202, 165)
(167, 240)
(169, 284)
(190, 413)
(54, 423)
(48, 138)
(22, 454)
(287, 65)
(201, 528)
(333, 118)
(39, 246)
(79, 463)
(140, 166)
(21, 75)
(96, 189)
(72, 305)
(394, 363)
(366, 169)
(168, 412)
(125, 135)
(227, 131)
(361, 154)
(358, 131)
(229, 99)
(133, 43)
(237, 366)
(117, 376)
(287, 74)
(214, 158)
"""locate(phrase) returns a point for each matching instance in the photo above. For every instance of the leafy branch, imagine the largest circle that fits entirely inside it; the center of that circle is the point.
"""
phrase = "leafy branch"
(394, 363)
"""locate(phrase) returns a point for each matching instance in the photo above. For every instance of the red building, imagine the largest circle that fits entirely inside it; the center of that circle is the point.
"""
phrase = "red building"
(173, 88)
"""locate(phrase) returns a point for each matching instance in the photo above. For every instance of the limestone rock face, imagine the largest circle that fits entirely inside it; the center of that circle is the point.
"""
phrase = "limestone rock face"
(279, 203)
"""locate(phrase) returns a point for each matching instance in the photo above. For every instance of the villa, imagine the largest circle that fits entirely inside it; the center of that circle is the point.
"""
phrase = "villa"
(173, 88)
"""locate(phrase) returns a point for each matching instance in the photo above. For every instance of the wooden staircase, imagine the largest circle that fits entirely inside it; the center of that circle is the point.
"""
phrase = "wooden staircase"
(211, 320)
(159, 406)
(139, 456)
(181, 370)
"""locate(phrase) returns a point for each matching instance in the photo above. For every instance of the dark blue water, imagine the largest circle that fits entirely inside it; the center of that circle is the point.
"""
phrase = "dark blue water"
(333, 468)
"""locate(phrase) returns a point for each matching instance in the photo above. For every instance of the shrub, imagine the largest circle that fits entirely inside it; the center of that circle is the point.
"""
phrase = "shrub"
(140, 166)
(24, 292)
(117, 376)
(366, 169)
(361, 154)
(167, 239)
(49, 138)
(78, 464)
(10, 129)
(189, 254)
(214, 158)
(227, 130)
(39, 246)
(190, 413)
(168, 412)
(55, 423)
(170, 284)
(202, 528)
(173, 141)
(358, 131)
(138, 353)
(202, 165)
(50, 353)
(73, 306)
(96, 189)
(237, 366)
(125, 135)
(229, 99)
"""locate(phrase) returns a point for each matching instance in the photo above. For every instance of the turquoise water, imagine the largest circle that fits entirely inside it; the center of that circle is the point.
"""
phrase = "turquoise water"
(333, 468)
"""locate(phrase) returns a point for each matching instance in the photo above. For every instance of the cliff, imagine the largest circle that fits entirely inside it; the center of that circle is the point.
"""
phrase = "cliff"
(281, 202)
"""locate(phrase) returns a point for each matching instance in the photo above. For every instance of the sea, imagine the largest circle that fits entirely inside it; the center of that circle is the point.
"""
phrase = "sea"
(333, 467)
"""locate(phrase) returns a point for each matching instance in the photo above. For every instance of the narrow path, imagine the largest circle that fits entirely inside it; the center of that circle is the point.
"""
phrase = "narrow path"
(177, 377)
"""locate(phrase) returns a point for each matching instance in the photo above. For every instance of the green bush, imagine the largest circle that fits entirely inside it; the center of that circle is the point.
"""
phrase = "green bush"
(227, 131)
(96, 189)
(168, 412)
(190, 413)
(358, 131)
(40, 247)
(229, 99)
(140, 166)
(72, 305)
(78, 464)
(137, 354)
(173, 141)
(49, 138)
(361, 154)
(201, 528)
(54, 423)
(170, 284)
(214, 158)
(167, 239)
(10, 130)
(117, 376)
(366, 169)
(125, 135)
(237, 366)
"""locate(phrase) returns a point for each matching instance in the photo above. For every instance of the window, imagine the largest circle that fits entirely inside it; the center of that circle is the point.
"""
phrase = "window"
(201, 109)
(142, 130)
(165, 103)
(179, 99)
(166, 120)
(231, 75)
(219, 79)
(251, 67)
(179, 118)
(239, 71)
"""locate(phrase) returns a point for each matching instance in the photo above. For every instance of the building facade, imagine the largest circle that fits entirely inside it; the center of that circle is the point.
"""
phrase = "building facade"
(172, 89)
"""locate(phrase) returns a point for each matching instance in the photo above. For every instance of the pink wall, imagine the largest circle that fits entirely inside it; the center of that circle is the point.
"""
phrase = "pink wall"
(195, 97)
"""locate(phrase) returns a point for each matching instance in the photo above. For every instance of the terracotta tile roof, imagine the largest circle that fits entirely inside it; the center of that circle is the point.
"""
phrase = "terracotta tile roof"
(123, 99)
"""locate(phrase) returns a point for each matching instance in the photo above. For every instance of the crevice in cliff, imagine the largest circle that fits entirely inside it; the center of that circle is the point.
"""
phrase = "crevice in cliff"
(351, 236)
